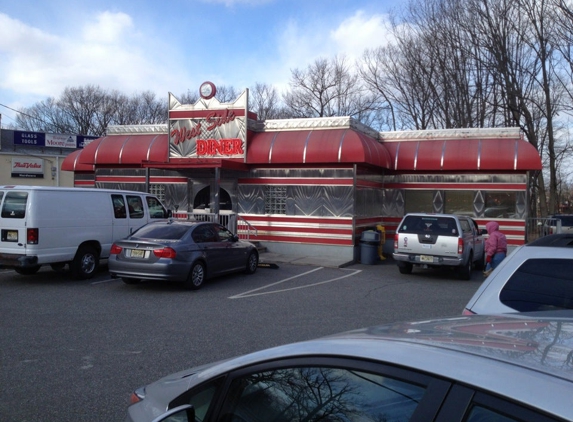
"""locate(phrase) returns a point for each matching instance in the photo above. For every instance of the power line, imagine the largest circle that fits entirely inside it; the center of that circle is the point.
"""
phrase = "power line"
(25, 114)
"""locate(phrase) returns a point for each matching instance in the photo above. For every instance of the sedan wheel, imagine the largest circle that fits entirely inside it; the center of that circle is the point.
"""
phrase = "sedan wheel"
(196, 276)
(252, 263)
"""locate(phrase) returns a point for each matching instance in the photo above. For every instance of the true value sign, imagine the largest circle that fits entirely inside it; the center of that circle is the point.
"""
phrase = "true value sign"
(207, 129)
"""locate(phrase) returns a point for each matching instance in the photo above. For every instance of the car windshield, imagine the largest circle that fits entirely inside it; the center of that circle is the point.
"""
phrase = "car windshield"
(566, 220)
(161, 231)
(442, 226)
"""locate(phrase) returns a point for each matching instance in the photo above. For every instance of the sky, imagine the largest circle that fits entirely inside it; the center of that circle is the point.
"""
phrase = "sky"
(173, 46)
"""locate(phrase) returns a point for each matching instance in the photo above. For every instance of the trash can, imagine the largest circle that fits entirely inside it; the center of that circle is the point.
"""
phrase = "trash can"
(369, 242)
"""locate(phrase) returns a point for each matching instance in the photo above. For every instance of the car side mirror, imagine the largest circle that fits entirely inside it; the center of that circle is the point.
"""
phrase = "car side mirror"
(235, 238)
(483, 231)
(169, 213)
(178, 414)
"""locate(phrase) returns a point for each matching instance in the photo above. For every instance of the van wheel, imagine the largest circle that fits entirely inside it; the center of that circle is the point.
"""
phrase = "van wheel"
(252, 263)
(85, 263)
(128, 280)
(405, 268)
(196, 276)
(465, 271)
(27, 270)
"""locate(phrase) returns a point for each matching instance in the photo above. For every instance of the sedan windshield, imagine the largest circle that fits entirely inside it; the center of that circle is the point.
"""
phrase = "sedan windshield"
(161, 231)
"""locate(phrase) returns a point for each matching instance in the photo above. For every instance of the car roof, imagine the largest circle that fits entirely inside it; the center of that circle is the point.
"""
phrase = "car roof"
(561, 240)
(525, 357)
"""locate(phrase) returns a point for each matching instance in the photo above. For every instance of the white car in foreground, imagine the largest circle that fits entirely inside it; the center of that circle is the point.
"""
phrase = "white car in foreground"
(515, 367)
(534, 277)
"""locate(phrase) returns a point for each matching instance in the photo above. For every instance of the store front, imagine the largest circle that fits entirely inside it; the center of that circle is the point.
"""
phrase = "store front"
(310, 185)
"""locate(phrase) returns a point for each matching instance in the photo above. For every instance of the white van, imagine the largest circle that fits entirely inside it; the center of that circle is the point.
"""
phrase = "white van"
(76, 226)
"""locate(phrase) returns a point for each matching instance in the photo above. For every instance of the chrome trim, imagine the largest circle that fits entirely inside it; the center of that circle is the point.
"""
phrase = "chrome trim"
(339, 158)
(121, 150)
(271, 147)
(442, 158)
(310, 132)
(479, 155)
(516, 154)
(149, 147)
(417, 135)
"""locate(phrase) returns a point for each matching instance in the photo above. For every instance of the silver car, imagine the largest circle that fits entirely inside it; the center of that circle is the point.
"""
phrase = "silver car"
(515, 367)
(534, 277)
(185, 251)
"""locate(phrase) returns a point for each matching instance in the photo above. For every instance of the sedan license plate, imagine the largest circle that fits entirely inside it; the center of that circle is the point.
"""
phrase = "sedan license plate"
(426, 258)
(137, 253)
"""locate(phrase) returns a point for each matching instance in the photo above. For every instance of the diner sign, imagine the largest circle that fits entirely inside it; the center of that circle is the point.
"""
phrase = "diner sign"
(208, 128)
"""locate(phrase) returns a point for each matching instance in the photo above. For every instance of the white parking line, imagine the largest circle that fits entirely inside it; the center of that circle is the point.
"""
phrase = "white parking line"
(104, 281)
(251, 293)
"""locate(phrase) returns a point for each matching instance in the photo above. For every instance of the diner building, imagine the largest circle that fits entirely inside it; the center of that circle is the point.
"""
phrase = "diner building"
(310, 186)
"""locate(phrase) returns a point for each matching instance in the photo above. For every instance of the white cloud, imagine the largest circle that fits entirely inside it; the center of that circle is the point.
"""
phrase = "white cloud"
(299, 46)
(108, 52)
(360, 32)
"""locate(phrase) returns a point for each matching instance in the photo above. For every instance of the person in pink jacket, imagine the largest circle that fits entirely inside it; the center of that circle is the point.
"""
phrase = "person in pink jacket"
(495, 247)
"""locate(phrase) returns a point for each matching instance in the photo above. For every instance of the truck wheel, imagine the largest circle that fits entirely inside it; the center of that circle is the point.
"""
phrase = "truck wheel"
(27, 270)
(252, 263)
(405, 268)
(85, 263)
(465, 271)
(196, 276)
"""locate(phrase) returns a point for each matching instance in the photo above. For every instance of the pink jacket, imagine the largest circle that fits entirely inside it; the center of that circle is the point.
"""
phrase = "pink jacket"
(496, 242)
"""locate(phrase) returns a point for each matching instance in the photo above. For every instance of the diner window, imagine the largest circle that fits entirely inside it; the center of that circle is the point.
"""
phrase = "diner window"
(500, 205)
(275, 199)
(158, 191)
(459, 202)
(418, 201)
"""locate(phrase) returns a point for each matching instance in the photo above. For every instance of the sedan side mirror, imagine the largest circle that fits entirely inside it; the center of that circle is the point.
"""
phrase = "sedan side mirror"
(178, 414)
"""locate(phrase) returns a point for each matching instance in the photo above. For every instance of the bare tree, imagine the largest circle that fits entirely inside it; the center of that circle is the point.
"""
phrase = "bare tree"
(265, 101)
(328, 88)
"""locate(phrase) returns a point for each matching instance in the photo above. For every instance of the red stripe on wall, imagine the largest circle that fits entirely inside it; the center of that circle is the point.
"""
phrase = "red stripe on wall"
(141, 179)
(454, 186)
(293, 219)
(317, 181)
(84, 183)
(295, 239)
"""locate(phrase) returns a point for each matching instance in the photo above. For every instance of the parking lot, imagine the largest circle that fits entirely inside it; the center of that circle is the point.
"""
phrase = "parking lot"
(74, 350)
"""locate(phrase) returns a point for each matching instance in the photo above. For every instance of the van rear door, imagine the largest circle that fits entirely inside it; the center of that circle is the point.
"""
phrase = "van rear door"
(13, 230)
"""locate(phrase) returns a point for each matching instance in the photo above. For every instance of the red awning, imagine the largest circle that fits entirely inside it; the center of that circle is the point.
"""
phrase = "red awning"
(507, 154)
(71, 163)
(331, 146)
(316, 147)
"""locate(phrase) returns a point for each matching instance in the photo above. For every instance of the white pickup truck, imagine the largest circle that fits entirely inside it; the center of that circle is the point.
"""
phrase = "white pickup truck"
(436, 240)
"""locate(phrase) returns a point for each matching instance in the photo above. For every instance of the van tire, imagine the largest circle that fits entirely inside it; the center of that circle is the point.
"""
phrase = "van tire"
(196, 276)
(27, 270)
(85, 263)
(405, 268)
